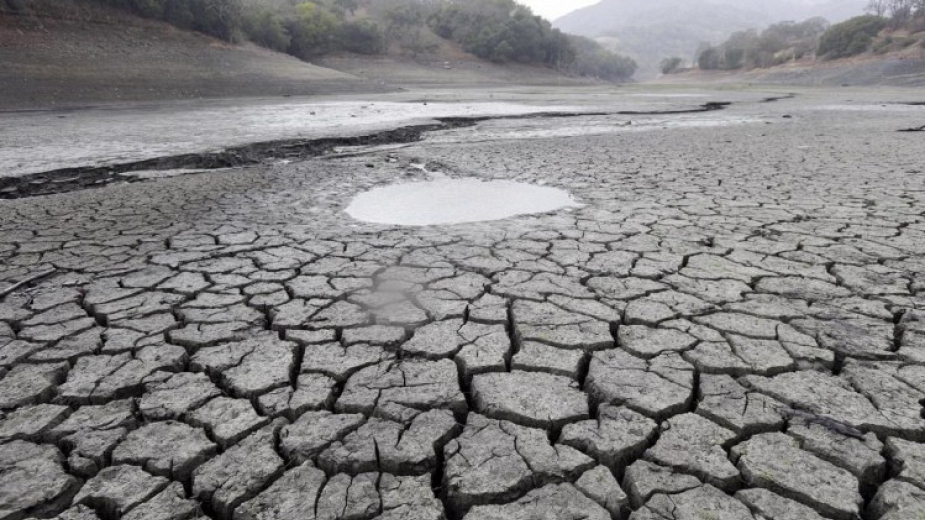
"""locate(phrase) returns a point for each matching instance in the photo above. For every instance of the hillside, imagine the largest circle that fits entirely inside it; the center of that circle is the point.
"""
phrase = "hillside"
(651, 30)
(75, 54)
(64, 53)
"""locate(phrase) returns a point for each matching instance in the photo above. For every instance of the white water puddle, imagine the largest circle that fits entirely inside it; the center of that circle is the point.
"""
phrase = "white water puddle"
(455, 201)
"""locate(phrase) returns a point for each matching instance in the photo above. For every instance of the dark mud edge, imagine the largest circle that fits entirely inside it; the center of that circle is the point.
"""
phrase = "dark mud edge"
(73, 179)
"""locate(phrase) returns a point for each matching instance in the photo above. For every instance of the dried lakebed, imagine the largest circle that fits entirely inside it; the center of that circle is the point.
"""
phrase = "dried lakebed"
(730, 326)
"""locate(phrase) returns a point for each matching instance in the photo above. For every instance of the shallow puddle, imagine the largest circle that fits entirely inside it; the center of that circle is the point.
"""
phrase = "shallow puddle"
(455, 201)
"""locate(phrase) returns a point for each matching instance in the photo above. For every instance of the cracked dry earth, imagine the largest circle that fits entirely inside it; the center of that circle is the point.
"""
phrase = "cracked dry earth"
(732, 327)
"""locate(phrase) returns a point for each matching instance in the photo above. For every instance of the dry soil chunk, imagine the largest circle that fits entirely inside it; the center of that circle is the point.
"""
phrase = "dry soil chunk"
(725, 402)
(659, 387)
(528, 398)
(897, 500)
(696, 504)
(251, 367)
(775, 507)
(691, 444)
(169, 504)
(293, 497)
(418, 385)
(617, 436)
(170, 449)
(495, 461)
(33, 481)
(600, 485)
(239, 474)
(775, 461)
(552, 502)
(171, 396)
(228, 420)
(118, 489)
(644, 479)
(30, 384)
(313, 432)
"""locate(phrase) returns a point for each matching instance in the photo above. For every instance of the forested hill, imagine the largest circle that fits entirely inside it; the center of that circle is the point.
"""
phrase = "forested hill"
(498, 30)
(651, 30)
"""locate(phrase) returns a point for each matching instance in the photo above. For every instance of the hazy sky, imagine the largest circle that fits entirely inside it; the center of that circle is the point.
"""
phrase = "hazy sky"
(552, 9)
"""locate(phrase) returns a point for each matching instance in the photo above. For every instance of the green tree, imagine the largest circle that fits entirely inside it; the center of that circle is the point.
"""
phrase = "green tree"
(850, 38)
(313, 31)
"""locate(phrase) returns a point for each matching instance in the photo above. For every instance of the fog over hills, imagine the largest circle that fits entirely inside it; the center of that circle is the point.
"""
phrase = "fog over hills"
(650, 30)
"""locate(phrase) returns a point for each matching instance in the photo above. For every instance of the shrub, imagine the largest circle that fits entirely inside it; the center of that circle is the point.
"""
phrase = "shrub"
(851, 38)
(266, 29)
(362, 37)
(671, 65)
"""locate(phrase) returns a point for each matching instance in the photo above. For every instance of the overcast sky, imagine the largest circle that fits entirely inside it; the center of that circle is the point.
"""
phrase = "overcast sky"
(552, 9)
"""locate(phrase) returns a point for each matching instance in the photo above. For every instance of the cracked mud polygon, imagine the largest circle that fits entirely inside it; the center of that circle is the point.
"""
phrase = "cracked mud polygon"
(730, 326)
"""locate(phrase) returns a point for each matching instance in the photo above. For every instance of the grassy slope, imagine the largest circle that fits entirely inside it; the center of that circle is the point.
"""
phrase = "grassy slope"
(81, 54)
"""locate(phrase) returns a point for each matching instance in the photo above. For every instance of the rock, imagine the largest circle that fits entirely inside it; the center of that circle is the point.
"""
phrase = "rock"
(170, 449)
(239, 474)
(552, 502)
(691, 444)
(228, 420)
(768, 461)
(617, 436)
(695, 504)
(293, 497)
(771, 506)
(599, 485)
(33, 482)
(644, 479)
(659, 387)
(496, 461)
(169, 504)
(117, 490)
(531, 399)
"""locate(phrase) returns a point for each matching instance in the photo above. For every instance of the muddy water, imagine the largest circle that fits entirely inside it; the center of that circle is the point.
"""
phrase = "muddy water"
(455, 201)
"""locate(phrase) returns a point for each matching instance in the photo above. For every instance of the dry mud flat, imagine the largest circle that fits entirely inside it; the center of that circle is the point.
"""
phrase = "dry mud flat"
(732, 326)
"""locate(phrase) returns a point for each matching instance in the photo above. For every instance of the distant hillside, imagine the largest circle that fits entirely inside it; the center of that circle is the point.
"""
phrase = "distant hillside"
(651, 30)
(64, 53)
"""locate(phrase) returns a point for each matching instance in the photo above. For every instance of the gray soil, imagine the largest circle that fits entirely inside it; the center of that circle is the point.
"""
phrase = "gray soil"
(732, 326)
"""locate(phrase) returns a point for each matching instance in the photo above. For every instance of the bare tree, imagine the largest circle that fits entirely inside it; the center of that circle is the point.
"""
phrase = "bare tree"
(878, 7)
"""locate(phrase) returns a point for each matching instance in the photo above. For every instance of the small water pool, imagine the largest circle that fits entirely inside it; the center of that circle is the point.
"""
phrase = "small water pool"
(455, 201)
